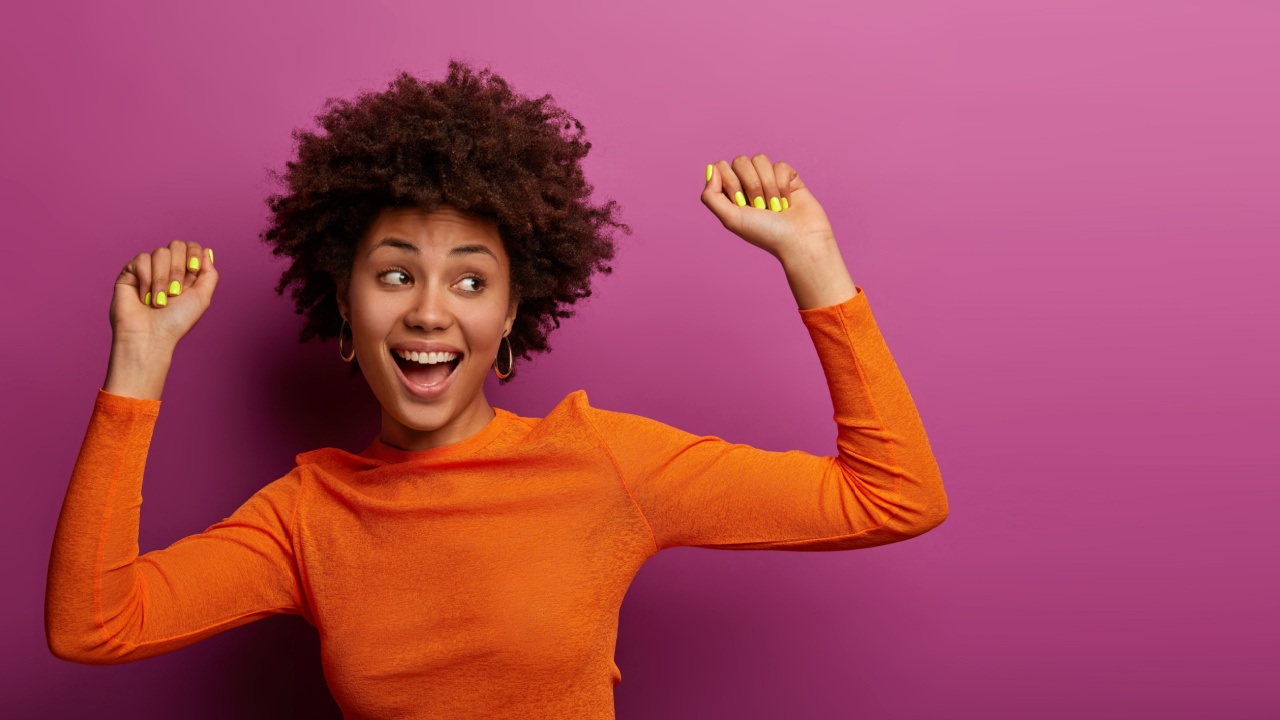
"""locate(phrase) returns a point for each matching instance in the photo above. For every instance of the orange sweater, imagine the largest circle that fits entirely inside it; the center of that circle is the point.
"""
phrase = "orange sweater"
(483, 578)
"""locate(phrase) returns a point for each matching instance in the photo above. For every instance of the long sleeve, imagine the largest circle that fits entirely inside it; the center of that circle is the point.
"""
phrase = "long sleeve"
(883, 485)
(104, 604)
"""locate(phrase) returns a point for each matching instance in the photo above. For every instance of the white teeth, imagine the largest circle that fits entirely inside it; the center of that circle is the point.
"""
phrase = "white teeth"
(427, 358)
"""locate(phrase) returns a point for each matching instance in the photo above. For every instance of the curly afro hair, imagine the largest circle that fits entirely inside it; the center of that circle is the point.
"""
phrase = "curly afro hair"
(468, 141)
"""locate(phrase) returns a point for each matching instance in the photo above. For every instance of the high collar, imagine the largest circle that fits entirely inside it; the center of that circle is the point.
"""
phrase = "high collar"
(381, 451)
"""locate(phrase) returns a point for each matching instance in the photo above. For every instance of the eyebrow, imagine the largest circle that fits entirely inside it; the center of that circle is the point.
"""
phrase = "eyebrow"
(460, 250)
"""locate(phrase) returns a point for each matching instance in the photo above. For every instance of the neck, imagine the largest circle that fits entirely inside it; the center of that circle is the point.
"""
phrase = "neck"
(450, 430)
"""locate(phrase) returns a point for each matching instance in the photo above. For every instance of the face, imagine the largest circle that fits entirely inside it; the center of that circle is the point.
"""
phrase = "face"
(427, 282)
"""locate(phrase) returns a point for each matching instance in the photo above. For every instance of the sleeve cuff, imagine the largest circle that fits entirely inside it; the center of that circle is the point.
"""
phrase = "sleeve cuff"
(126, 405)
(850, 309)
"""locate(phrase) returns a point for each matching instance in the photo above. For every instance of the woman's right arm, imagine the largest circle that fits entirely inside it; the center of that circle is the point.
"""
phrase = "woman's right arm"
(106, 604)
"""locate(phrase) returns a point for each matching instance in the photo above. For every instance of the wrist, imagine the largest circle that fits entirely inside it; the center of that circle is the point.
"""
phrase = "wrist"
(799, 256)
(817, 275)
(141, 351)
(137, 368)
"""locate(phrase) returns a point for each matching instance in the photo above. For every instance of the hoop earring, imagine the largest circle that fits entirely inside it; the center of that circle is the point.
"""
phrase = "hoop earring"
(510, 360)
(341, 354)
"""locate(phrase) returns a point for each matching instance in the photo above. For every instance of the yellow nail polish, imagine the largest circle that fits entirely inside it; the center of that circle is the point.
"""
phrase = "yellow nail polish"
(737, 197)
(785, 204)
(175, 288)
(210, 250)
(194, 263)
(758, 203)
(160, 299)
(147, 300)
(774, 205)
(708, 173)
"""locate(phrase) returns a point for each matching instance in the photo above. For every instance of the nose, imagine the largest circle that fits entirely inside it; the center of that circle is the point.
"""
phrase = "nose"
(429, 308)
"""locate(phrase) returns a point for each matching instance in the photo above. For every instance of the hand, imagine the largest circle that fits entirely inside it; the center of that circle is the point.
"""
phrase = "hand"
(799, 228)
(133, 318)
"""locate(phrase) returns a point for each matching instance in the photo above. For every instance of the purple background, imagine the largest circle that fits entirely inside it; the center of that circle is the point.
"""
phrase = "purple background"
(1064, 215)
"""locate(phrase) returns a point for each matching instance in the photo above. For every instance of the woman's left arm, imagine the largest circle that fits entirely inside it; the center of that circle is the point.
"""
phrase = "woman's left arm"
(883, 485)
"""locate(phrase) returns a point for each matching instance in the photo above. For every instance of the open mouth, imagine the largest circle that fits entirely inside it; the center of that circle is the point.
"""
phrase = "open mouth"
(426, 374)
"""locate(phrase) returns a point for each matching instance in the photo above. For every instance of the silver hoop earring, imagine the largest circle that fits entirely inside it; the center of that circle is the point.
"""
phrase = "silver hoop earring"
(510, 360)
(341, 354)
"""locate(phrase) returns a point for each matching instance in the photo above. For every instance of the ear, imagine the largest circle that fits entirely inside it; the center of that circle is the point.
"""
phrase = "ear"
(341, 296)
(511, 315)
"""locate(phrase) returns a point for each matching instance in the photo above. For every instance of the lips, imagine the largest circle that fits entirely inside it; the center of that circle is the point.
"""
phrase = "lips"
(426, 381)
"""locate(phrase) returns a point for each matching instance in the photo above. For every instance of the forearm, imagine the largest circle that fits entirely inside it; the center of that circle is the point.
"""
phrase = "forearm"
(817, 275)
(881, 439)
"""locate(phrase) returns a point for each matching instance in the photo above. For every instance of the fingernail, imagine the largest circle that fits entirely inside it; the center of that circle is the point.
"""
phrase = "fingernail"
(737, 197)
(708, 173)
(194, 263)
(210, 250)
(160, 299)
(175, 288)
(758, 203)
(774, 205)
(785, 204)
(147, 300)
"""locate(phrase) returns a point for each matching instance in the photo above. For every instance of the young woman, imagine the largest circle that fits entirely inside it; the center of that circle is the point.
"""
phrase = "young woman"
(469, 562)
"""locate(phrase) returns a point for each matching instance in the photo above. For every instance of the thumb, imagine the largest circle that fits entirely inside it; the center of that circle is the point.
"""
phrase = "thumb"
(797, 187)
(207, 279)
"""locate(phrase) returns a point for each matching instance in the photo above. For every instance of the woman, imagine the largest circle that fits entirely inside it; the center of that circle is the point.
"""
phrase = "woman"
(470, 561)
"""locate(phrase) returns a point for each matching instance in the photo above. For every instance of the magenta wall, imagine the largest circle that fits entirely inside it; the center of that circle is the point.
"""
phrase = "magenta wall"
(1063, 213)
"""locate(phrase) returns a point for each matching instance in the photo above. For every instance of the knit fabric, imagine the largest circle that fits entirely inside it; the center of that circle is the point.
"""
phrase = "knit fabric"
(484, 578)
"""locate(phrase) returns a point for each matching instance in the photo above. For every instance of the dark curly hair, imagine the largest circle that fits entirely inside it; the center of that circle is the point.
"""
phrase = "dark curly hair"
(468, 141)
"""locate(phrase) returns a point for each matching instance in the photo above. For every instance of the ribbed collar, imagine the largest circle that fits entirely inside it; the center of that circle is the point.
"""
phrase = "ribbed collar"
(467, 446)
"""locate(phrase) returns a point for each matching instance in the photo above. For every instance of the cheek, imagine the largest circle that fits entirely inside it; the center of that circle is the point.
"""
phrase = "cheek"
(484, 331)
(372, 326)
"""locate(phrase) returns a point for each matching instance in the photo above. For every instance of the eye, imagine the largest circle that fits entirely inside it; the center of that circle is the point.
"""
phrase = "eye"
(479, 282)
(393, 271)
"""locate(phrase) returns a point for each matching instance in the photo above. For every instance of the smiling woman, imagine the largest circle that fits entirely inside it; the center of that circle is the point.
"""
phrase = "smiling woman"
(506, 168)
(469, 562)
(429, 301)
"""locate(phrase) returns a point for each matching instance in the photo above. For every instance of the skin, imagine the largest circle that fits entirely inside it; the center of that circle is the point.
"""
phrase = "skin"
(398, 294)
(432, 301)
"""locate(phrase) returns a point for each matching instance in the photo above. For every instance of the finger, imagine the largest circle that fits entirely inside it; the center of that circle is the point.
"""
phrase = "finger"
(786, 176)
(177, 273)
(750, 181)
(716, 197)
(730, 184)
(193, 262)
(764, 168)
(137, 272)
(160, 267)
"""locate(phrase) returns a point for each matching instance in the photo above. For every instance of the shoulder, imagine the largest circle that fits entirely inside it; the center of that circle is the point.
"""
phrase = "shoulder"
(273, 505)
(576, 409)
(610, 426)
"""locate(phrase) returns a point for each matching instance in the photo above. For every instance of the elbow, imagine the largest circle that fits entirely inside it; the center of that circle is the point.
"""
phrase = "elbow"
(76, 647)
(923, 511)
(934, 516)
(60, 640)
(78, 654)
(65, 649)
(65, 633)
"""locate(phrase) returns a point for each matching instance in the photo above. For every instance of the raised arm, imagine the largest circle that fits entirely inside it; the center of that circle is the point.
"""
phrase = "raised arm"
(882, 485)
(103, 602)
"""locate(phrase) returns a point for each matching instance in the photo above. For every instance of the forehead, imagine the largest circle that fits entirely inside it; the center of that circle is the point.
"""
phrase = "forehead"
(435, 232)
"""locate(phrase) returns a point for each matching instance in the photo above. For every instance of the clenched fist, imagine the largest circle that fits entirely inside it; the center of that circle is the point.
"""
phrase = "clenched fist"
(766, 204)
(160, 295)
